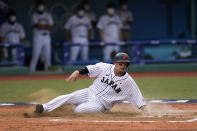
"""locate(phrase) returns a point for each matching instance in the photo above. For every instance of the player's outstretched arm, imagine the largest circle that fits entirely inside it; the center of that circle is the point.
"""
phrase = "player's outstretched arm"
(73, 77)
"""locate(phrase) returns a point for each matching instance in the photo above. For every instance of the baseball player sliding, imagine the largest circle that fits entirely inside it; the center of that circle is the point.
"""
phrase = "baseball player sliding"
(112, 85)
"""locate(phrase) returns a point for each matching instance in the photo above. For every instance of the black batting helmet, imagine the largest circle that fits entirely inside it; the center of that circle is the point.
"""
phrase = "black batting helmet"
(122, 57)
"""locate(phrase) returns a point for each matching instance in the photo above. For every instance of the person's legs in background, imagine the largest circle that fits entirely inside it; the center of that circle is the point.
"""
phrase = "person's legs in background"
(84, 52)
(37, 47)
(47, 52)
(74, 52)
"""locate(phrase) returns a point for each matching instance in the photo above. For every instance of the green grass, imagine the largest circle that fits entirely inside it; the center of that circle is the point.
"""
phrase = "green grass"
(168, 87)
(151, 88)
(21, 91)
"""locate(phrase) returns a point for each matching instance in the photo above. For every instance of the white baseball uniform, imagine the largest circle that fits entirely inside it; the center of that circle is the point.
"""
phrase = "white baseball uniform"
(106, 90)
(12, 34)
(41, 40)
(111, 27)
(79, 32)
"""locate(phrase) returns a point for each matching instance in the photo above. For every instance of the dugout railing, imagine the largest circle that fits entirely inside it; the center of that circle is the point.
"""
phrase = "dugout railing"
(19, 55)
(136, 50)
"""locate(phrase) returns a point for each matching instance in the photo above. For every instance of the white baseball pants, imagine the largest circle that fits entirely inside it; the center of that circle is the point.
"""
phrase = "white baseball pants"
(108, 50)
(85, 102)
(41, 46)
(75, 50)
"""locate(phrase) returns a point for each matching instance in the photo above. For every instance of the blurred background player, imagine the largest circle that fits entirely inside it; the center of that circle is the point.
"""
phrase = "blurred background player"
(79, 28)
(110, 26)
(92, 16)
(127, 19)
(42, 23)
(11, 32)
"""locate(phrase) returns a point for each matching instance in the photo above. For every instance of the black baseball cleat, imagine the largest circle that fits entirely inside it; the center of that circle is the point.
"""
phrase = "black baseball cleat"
(39, 109)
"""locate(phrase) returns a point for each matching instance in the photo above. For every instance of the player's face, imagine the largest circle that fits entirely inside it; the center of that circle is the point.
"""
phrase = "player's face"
(12, 19)
(110, 11)
(121, 66)
(40, 8)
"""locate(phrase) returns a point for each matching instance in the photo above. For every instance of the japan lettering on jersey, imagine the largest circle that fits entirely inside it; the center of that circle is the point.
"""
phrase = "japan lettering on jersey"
(110, 89)
(111, 27)
(79, 28)
(12, 33)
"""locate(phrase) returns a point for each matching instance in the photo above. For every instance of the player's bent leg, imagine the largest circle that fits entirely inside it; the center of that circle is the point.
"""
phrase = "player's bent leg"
(116, 48)
(37, 47)
(90, 107)
(75, 98)
(84, 53)
(74, 52)
(105, 57)
(47, 52)
(107, 51)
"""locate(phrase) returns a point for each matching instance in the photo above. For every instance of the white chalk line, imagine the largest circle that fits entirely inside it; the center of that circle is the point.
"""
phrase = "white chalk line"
(110, 121)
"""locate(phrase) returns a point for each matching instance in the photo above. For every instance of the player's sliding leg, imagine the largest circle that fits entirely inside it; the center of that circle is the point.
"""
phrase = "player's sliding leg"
(76, 98)
(90, 107)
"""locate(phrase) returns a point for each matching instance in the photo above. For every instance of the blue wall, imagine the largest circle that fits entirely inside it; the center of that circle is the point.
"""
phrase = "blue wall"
(150, 17)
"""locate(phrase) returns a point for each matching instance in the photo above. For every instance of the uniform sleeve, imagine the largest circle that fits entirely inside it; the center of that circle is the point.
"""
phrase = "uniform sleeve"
(100, 24)
(68, 24)
(51, 22)
(22, 32)
(135, 96)
(120, 25)
(34, 20)
(95, 70)
(89, 24)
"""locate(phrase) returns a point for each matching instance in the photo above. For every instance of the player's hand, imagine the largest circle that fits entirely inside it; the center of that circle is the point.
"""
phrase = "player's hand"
(73, 77)
(144, 111)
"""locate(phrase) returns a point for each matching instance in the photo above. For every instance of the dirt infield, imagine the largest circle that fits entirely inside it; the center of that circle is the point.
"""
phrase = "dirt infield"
(122, 117)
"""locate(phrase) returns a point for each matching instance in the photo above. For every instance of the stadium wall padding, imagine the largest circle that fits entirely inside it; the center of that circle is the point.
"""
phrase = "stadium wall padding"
(7, 71)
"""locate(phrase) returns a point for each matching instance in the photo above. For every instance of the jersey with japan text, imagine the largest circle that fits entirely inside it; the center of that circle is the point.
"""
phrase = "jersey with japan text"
(111, 89)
